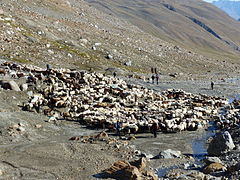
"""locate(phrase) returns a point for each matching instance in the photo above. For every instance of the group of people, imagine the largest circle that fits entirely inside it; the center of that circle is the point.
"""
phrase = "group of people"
(155, 75)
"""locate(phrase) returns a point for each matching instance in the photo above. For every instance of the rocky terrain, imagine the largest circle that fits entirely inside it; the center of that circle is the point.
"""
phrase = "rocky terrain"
(194, 24)
(73, 34)
(58, 121)
(44, 130)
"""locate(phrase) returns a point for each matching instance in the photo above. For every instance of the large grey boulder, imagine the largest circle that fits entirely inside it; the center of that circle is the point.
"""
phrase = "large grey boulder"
(12, 85)
(210, 160)
(221, 144)
(169, 154)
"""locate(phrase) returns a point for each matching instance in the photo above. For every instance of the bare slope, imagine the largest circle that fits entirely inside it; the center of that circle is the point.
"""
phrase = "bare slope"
(191, 23)
(74, 34)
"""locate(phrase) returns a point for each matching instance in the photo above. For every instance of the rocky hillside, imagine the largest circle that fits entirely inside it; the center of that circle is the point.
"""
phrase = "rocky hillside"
(74, 34)
(230, 7)
(193, 24)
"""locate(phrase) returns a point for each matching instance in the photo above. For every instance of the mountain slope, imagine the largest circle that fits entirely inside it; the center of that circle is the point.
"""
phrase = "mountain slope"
(74, 34)
(190, 23)
(230, 7)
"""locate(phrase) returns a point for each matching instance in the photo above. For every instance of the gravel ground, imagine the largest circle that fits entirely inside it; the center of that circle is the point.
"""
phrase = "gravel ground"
(41, 149)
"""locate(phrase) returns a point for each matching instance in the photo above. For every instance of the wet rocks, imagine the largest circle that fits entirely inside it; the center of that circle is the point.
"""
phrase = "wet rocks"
(214, 167)
(221, 143)
(169, 154)
(210, 160)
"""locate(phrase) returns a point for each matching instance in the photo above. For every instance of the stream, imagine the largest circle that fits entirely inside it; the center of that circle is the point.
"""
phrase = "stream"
(199, 150)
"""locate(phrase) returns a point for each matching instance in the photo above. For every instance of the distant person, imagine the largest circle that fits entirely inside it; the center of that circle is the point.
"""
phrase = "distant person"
(49, 67)
(154, 129)
(212, 84)
(114, 74)
(117, 126)
(152, 70)
(157, 78)
(153, 77)
(155, 70)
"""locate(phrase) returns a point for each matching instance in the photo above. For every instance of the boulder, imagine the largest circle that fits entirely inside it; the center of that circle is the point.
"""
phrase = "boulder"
(101, 136)
(128, 63)
(123, 170)
(210, 160)
(169, 154)
(140, 164)
(24, 87)
(12, 85)
(214, 167)
(150, 175)
(109, 56)
(221, 143)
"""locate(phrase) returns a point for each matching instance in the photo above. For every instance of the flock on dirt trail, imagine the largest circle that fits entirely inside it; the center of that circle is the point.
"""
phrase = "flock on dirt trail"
(100, 101)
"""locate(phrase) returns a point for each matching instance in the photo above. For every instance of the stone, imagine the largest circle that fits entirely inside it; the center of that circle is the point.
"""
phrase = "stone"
(21, 129)
(169, 154)
(148, 156)
(124, 171)
(102, 135)
(84, 41)
(221, 143)
(150, 175)
(109, 56)
(24, 87)
(38, 126)
(197, 175)
(128, 63)
(12, 85)
(140, 164)
(30, 93)
(214, 167)
(210, 160)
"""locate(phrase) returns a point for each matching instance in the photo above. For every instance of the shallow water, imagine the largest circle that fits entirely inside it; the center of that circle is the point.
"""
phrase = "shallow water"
(199, 144)
(199, 150)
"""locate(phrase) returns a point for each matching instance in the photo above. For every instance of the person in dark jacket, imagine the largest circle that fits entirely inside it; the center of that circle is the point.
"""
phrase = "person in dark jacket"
(117, 126)
(212, 84)
(154, 129)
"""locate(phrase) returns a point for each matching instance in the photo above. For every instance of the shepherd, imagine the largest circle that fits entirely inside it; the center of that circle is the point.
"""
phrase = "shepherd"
(212, 84)
(154, 129)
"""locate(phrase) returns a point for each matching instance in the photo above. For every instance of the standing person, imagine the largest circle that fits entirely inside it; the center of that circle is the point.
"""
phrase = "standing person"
(114, 74)
(117, 127)
(154, 129)
(152, 70)
(153, 77)
(157, 78)
(155, 70)
(212, 84)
